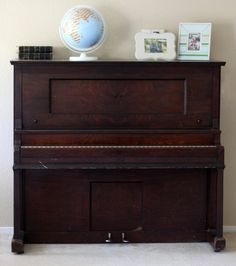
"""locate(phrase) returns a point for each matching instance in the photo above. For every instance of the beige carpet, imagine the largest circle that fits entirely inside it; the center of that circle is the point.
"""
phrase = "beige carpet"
(199, 254)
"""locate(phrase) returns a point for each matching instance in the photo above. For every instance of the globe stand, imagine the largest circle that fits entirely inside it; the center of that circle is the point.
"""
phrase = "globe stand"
(83, 57)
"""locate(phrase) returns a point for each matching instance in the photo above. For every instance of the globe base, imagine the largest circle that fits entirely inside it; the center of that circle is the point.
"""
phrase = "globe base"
(83, 57)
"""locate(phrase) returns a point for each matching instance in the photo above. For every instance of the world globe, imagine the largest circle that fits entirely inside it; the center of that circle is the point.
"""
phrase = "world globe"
(82, 30)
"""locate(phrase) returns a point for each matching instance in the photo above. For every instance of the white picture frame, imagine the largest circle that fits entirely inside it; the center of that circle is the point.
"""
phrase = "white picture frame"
(155, 46)
(194, 41)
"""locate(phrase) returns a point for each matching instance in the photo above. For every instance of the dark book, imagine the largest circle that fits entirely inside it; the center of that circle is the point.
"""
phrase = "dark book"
(35, 49)
(35, 56)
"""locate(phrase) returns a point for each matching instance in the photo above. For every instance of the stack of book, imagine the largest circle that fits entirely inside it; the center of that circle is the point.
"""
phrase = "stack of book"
(35, 52)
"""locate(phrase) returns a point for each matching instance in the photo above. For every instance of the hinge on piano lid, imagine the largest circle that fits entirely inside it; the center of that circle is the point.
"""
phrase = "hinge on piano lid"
(18, 123)
(16, 148)
(215, 123)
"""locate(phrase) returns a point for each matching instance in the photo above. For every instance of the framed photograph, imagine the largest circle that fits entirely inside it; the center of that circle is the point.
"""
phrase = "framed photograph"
(155, 46)
(194, 41)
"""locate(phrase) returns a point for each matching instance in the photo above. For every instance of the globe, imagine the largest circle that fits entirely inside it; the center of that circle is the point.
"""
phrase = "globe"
(82, 30)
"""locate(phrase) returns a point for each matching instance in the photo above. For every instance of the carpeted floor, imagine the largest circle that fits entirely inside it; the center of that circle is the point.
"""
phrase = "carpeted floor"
(193, 254)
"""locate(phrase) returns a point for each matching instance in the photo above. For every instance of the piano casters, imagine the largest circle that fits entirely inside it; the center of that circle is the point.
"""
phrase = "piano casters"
(17, 246)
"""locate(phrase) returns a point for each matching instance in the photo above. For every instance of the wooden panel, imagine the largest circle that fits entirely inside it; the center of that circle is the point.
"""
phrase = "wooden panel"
(154, 155)
(116, 206)
(132, 237)
(176, 202)
(116, 200)
(55, 201)
(165, 97)
(115, 97)
(121, 138)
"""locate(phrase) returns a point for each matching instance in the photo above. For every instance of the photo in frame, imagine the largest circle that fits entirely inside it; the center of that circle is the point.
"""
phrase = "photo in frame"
(155, 46)
(194, 41)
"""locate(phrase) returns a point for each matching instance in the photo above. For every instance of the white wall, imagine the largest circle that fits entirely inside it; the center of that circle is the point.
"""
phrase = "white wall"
(30, 22)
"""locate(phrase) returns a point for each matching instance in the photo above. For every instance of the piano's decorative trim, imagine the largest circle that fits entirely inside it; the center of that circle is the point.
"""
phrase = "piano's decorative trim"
(122, 147)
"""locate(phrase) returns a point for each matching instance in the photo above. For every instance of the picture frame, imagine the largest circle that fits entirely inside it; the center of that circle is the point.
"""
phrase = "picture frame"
(155, 46)
(194, 41)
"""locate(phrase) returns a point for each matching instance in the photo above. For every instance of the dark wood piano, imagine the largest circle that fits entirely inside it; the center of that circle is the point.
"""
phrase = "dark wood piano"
(117, 152)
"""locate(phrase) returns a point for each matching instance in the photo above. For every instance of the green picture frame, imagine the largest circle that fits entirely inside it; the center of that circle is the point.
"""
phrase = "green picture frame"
(194, 41)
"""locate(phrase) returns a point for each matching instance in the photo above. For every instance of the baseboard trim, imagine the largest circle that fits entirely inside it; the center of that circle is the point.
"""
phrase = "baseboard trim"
(229, 229)
(6, 230)
(226, 229)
